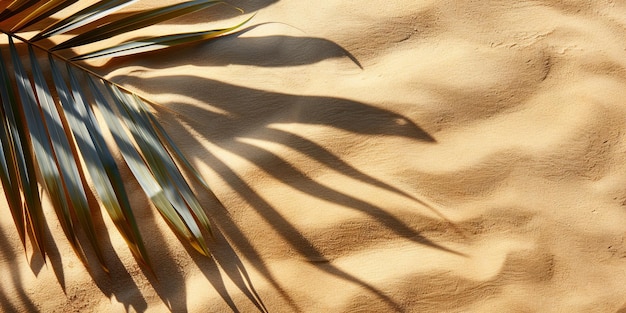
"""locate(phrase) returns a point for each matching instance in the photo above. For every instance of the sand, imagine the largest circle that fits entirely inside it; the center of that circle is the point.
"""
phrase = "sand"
(376, 156)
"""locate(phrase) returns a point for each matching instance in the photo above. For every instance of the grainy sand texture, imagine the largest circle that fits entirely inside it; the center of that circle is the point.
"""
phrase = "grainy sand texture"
(374, 156)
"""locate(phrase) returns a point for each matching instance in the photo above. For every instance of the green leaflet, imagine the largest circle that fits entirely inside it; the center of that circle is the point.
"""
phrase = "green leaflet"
(100, 163)
(83, 17)
(171, 145)
(156, 43)
(52, 181)
(16, 7)
(159, 197)
(70, 177)
(162, 167)
(8, 167)
(21, 151)
(41, 12)
(136, 21)
(135, 110)
(101, 166)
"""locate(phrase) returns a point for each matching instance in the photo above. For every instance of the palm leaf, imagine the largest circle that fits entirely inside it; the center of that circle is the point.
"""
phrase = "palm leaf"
(54, 126)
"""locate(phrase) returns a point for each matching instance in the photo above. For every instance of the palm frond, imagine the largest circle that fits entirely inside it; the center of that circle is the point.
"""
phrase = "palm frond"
(51, 132)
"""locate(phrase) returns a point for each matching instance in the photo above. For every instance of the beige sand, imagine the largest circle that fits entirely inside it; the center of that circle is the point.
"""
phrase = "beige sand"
(378, 156)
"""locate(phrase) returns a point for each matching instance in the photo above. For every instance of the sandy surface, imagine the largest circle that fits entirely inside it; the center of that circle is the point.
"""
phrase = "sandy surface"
(377, 156)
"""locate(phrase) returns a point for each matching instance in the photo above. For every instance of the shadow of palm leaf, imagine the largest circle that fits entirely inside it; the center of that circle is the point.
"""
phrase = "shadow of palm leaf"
(273, 107)
(265, 51)
(291, 234)
(225, 257)
(13, 299)
(259, 110)
(257, 105)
